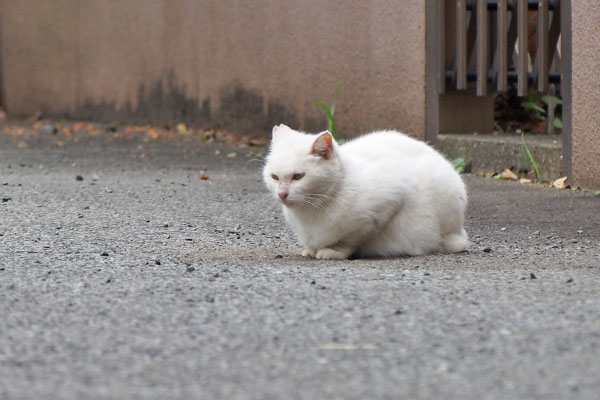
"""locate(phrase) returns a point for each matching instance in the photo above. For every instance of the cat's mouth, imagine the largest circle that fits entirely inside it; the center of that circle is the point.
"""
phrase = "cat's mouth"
(286, 202)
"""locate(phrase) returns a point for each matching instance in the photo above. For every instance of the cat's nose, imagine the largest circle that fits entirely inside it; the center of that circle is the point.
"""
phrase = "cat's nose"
(283, 195)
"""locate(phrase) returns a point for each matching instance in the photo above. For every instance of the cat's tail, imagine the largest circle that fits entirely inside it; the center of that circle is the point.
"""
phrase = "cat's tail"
(455, 242)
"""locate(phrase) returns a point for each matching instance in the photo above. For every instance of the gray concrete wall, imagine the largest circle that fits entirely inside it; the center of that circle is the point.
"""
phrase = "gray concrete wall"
(244, 65)
(585, 70)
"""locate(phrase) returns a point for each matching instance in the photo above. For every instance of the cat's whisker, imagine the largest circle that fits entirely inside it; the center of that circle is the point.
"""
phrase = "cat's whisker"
(313, 203)
(263, 161)
(258, 156)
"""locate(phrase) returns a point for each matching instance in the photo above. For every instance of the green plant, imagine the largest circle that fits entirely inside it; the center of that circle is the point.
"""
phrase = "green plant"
(498, 128)
(535, 105)
(330, 112)
(553, 101)
(460, 164)
(527, 154)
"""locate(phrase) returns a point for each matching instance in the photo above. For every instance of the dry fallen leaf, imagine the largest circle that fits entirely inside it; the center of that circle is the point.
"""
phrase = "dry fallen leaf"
(560, 183)
(153, 133)
(182, 129)
(507, 174)
(526, 180)
(258, 142)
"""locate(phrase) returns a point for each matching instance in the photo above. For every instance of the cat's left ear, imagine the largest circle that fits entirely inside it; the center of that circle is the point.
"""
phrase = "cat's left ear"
(323, 146)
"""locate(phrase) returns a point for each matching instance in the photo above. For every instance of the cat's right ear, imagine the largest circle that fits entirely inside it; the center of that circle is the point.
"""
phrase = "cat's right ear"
(323, 146)
(278, 130)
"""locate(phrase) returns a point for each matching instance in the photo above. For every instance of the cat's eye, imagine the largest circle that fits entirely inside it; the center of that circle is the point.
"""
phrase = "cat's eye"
(297, 176)
(275, 177)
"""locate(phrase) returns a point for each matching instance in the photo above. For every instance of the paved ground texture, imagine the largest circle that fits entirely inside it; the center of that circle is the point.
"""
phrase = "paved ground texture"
(134, 267)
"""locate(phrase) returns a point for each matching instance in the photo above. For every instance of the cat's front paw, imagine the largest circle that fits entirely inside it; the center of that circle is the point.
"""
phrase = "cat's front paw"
(331, 254)
(308, 252)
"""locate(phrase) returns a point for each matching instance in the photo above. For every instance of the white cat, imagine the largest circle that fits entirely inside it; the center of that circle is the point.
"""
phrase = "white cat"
(382, 194)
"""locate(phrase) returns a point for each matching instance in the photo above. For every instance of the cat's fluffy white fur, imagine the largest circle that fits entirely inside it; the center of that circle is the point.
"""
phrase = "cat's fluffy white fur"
(382, 194)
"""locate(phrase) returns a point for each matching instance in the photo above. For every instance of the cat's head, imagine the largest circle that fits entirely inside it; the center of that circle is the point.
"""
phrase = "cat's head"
(302, 170)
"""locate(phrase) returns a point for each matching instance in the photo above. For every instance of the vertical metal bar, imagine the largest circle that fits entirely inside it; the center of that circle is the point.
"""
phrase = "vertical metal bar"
(522, 42)
(542, 47)
(482, 47)
(566, 87)
(461, 44)
(551, 105)
(432, 96)
(441, 43)
(502, 56)
(554, 33)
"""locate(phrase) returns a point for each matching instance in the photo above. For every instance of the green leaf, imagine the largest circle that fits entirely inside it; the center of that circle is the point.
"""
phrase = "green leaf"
(330, 120)
(556, 100)
(533, 106)
(531, 159)
(459, 164)
(558, 123)
(324, 107)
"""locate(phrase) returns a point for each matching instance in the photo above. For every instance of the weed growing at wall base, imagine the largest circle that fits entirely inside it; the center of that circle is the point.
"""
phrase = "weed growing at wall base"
(330, 112)
(527, 154)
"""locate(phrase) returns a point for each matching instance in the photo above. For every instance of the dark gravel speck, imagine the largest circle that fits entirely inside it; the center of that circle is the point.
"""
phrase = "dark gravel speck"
(79, 178)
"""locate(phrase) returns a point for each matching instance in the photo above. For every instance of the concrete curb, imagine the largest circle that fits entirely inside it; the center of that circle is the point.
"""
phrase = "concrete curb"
(493, 153)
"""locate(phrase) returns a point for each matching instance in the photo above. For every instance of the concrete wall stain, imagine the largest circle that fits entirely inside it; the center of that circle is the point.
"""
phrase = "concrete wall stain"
(239, 109)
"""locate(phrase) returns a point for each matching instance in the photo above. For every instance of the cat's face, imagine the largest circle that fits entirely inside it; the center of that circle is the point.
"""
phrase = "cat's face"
(301, 169)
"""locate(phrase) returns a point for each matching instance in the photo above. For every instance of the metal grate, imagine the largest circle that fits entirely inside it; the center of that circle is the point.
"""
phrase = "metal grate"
(490, 44)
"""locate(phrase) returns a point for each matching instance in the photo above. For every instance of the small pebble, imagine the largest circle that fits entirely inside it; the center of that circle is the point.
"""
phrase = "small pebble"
(570, 280)
(49, 129)
(190, 268)
(79, 178)
(532, 276)
(487, 250)
(157, 262)
(104, 254)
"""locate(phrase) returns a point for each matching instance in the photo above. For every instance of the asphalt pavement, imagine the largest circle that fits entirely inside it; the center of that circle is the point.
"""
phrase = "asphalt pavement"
(141, 267)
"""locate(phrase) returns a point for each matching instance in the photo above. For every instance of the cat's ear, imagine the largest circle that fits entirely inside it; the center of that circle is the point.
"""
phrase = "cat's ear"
(323, 146)
(278, 130)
